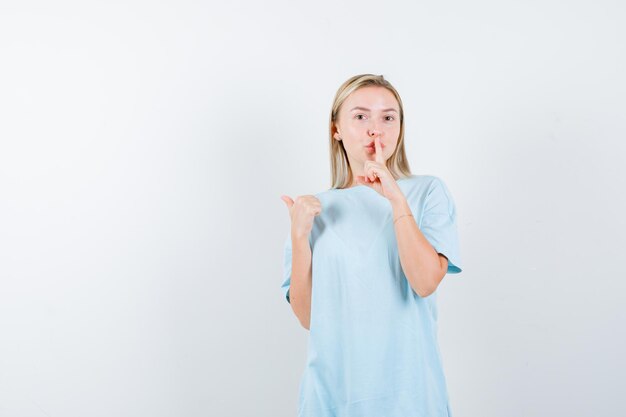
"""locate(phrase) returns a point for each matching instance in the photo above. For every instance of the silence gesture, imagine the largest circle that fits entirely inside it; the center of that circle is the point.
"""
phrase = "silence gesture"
(378, 177)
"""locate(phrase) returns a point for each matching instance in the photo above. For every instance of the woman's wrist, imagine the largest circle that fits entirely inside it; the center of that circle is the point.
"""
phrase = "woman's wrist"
(400, 206)
(299, 237)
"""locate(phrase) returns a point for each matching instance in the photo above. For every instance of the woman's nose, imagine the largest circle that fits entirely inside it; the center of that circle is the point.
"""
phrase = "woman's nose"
(374, 131)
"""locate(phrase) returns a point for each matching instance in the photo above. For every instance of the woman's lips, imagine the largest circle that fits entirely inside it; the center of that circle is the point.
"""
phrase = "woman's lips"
(372, 148)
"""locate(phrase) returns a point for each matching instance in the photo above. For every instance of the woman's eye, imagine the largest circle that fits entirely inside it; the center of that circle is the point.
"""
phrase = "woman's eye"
(388, 118)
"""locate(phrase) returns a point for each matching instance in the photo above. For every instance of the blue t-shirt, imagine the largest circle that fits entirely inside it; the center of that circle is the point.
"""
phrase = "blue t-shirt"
(372, 348)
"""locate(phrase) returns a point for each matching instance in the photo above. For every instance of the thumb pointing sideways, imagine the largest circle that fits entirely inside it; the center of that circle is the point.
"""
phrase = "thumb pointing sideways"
(288, 201)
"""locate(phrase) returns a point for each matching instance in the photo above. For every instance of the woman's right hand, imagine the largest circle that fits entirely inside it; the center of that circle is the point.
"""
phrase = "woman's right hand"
(302, 212)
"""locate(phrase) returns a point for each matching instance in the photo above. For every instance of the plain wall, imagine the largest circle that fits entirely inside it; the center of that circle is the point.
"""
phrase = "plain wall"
(144, 147)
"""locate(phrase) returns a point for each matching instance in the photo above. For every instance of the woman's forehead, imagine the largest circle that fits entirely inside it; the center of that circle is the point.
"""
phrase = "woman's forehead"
(373, 98)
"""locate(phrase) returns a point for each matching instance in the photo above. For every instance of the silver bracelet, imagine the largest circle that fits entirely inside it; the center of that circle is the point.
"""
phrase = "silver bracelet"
(402, 215)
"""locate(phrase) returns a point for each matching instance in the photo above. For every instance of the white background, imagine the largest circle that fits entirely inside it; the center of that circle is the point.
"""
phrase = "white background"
(144, 147)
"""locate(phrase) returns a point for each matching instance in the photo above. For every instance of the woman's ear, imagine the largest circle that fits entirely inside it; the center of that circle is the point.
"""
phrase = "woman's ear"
(336, 135)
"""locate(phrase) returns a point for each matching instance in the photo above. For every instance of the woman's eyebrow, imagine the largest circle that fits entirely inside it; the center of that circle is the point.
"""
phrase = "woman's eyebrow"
(366, 109)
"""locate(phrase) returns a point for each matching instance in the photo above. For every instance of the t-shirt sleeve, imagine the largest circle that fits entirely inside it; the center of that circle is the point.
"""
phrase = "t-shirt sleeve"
(287, 268)
(439, 226)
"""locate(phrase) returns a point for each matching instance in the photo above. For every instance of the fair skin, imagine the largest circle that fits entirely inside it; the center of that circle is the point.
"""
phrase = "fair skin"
(368, 124)
(368, 113)
(302, 211)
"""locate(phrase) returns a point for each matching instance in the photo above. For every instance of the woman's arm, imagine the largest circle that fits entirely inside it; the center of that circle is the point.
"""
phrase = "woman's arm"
(422, 265)
(301, 279)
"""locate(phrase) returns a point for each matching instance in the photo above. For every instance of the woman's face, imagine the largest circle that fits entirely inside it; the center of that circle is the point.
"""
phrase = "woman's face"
(366, 113)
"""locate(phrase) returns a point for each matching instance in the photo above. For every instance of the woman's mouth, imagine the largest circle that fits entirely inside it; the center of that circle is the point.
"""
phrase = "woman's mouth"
(372, 147)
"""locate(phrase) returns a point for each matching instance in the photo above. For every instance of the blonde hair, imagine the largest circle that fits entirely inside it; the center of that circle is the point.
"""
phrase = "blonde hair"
(341, 174)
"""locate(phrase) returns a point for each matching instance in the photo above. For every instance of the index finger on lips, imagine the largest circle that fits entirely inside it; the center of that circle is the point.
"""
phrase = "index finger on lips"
(379, 150)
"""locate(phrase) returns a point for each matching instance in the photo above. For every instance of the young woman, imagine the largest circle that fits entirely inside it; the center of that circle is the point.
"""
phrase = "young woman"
(362, 263)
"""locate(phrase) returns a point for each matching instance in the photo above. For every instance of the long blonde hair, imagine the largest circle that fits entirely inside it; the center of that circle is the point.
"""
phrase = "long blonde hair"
(341, 174)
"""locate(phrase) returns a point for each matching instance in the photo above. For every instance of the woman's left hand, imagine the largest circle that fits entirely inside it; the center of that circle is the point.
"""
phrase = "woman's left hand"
(378, 177)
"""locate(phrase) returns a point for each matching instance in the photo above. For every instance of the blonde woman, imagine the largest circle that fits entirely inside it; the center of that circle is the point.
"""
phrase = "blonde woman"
(362, 264)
